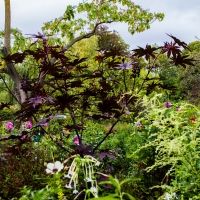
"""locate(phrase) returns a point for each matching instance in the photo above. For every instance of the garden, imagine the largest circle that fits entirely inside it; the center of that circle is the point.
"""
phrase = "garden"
(84, 117)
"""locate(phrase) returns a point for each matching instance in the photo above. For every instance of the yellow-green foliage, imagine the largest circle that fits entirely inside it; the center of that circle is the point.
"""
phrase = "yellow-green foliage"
(174, 134)
(86, 48)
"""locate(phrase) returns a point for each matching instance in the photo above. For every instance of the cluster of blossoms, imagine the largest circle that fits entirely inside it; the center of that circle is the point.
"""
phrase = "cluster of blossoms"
(9, 126)
(168, 105)
(28, 124)
(76, 140)
(170, 196)
(87, 165)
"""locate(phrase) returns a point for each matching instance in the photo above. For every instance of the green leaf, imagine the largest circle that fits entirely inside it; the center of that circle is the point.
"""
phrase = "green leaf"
(109, 197)
(129, 196)
(126, 180)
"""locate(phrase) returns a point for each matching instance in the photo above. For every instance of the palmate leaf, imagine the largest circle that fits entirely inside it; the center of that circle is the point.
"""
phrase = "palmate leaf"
(82, 150)
(74, 84)
(112, 53)
(183, 60)
(37, 54)
(147, 52)
(63, 101)
(16, 57)
(151, 87)
(171, 49)
(105, 86)
(113, 64)
(4, 105)
(180, 43)
(109, 105)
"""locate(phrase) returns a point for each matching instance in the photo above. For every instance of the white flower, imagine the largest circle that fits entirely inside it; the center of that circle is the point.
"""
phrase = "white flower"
(97, 163)
(68, 186)
(93, 189)
(75, 191)
(170, 196)
(54, 167)
(67, 176)
(88, 179)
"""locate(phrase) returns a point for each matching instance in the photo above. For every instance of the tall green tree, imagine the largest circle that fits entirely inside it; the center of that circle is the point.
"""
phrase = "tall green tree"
(97, 12)
(108, 40)
(190, 76)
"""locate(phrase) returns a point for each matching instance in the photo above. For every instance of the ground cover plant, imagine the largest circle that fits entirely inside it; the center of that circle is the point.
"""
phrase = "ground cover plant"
(96, 127)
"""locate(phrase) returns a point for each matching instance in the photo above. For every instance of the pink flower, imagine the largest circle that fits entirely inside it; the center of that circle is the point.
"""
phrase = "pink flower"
(138, 124)
(9, 126)
(179, 109)
(60, 143)
(28, 124)
(64, 131)
(76, 140)
(167, 104)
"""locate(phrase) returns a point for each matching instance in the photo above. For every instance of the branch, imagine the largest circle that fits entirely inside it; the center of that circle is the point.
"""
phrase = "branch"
(12, 72)
(87, 35)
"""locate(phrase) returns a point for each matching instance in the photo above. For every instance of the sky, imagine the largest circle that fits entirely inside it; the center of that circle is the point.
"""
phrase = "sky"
(181, 19)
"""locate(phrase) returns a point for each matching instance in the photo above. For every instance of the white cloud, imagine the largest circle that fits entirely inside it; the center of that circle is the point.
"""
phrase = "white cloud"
(181, 19)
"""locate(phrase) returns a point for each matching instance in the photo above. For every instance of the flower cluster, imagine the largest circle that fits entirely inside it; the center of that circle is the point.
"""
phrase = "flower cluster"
(28, 124)
(9, 126)
(76, 140)
(73, 174)
(87, 164)
(170, 196)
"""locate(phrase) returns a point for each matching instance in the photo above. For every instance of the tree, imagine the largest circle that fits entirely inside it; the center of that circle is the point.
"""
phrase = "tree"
(189, 81)
(108, 40)
(7, 24)
(98, 12)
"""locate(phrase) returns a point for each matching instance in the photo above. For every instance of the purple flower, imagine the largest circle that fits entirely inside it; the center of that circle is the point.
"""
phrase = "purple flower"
(9, 126)
(127, 112)
(102, 52)
(49, 99)
(60, 143)
(45, 124)
(138, 124)
(125, 65)
(76, 140)
(167, 104)
(179, 109)
(39, 100)
(28, 124)
(36, 100)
